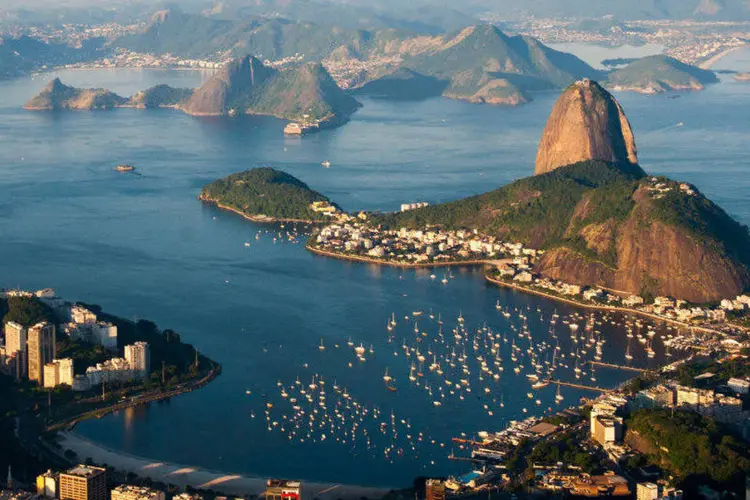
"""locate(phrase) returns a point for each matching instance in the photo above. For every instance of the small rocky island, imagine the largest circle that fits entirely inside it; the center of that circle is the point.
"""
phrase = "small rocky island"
(306, 95)
(658, 74)
(269, 195)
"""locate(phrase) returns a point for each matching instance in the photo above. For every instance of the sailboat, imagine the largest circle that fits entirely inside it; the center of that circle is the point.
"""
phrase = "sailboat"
(321, 346)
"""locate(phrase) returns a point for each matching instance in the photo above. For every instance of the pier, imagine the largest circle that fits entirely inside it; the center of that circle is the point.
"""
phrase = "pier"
(619, 367)
(580, 386)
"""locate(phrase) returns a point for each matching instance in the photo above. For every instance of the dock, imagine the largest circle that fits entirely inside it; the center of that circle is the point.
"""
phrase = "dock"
(580, 386)
(619, 367)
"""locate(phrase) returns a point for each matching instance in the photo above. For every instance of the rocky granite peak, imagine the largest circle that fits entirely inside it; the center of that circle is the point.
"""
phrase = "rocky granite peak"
(586, 123)
(230, 88)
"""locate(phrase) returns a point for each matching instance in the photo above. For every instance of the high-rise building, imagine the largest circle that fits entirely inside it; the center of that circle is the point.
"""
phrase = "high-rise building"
(41, 350)
(84, 483)
(138, 357)
(434, 489)
(47, 484)
(15, 342)
(128, 492)
(59, 372)
(647, 491)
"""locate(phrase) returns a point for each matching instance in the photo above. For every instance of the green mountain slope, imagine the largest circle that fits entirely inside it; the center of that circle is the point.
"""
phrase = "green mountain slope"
(660, 73)
(265, 192)
(609, 225)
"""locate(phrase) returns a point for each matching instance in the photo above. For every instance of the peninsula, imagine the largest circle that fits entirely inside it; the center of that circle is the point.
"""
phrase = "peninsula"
(269, 195)
(590, 228)
(307, 95)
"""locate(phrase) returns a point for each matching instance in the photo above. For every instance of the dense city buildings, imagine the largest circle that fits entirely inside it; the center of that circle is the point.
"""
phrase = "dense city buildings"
(127, 492)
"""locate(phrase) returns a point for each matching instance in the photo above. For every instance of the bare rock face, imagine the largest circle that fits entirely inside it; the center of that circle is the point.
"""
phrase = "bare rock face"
(586, 123)
(229, 88)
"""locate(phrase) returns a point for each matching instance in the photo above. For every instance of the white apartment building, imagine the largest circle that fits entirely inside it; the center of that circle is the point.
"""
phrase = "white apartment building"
(138, 357)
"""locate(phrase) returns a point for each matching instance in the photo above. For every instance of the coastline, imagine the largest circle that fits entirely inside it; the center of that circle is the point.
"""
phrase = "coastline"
(708, 63)
(227, 483)
(262, 219)
(403, 265)
(625, 310)
(70, 423)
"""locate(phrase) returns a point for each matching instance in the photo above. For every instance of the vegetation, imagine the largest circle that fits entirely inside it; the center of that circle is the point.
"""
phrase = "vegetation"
(26, 311)
(736, 367)
(265, 192)
(159, 96)
(562, 208)
(660, 73)
(536, 210)
(303, 94)
(692, 447)
(565, 448)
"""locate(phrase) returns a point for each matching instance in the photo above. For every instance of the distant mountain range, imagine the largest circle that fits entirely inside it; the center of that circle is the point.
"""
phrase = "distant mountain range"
(479, 63)
(307, 94)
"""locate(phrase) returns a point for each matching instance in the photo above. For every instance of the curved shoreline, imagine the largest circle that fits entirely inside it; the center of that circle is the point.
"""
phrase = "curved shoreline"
(402, 265)
(624, 310)
(260, 219)
(70, 423)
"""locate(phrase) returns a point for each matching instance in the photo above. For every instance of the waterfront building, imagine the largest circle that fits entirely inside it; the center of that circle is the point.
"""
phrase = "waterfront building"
(281, 489)
(41, 350)
(434, 489)
(47, 484)
(59, 372)
(128, 492)
(84, 482)
(647, 491)
(138, 357)
(15, 342)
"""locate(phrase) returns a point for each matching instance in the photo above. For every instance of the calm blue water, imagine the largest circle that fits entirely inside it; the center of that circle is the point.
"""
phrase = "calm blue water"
(142, 246)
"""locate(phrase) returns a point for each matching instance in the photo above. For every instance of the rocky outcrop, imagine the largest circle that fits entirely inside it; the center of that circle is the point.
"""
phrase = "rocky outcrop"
(306, 93)
(586, 123)
(656, 253)
(229, 89)
(57, 96)
(160, 96)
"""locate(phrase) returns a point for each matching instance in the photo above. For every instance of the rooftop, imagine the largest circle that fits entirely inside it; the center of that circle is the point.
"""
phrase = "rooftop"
(85, 471)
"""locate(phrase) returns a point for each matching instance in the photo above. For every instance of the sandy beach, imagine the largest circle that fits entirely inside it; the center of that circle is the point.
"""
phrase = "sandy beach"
(181, 475)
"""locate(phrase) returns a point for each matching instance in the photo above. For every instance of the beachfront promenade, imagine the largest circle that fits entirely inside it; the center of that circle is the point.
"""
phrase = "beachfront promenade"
(182, 476)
